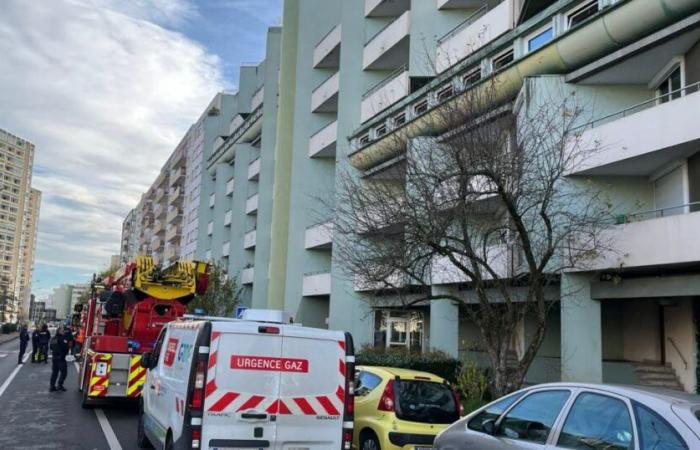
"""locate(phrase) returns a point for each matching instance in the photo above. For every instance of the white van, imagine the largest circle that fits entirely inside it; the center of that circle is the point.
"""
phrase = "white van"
(255, 383)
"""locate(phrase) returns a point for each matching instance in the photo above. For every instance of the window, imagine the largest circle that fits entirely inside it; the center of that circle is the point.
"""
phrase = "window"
(579, 15)
(399, 119)
(493, 411)
(654, 432)
(532, 418)
(425, 402)
(155, 354)
(364, 139)
(502, 60)
(597, 422)
(380, 131)
(540, 39)
(366, 382)
(445, 93)
(421, 106)
(471, 77)
(670, 87)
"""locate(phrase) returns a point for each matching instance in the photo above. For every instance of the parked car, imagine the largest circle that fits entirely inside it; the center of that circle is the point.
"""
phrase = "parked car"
(401, 409)
(580, 416)
(259, 382)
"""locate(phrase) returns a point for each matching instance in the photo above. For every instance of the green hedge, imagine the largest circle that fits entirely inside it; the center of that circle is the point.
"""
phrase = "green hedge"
(8, 328)
(437, 363)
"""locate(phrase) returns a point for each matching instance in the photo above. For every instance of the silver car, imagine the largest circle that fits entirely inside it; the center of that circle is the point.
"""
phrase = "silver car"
(580, 416)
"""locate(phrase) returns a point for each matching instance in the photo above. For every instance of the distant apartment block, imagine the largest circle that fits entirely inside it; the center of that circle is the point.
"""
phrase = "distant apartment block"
(19, 215)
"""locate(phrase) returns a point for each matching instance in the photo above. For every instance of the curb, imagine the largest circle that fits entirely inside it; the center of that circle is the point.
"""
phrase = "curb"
(8, 337)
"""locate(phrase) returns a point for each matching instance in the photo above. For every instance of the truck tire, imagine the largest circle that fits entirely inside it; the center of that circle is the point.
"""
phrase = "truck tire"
(168, 441)
(141, 439)
(85, 401)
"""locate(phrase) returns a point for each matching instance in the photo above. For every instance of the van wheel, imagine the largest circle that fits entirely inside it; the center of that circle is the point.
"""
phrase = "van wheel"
(368, 441)
(168, 441)
(141, 439)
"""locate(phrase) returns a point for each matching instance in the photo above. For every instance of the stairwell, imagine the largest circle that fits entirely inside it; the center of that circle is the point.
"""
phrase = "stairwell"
(656, 375)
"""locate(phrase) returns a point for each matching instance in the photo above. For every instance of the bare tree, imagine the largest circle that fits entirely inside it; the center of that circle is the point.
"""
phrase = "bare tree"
(481, 197)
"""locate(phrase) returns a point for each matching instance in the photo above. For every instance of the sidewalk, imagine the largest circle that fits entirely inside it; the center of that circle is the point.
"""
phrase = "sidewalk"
(7, 337)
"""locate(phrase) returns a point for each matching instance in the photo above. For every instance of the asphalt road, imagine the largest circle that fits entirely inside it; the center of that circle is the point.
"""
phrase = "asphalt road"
(34, 418)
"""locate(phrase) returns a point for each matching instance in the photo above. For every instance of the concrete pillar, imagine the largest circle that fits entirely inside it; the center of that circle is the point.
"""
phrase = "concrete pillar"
(581, 334)
(444, 324)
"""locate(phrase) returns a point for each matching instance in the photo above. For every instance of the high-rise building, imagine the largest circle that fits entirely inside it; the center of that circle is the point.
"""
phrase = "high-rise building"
(131, 232)
(77, 292)
(19, 213)
(60, 300)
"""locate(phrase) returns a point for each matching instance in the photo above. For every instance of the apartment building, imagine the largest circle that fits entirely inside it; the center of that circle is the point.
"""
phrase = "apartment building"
(19, 214)
(355, 94)
(131, 233)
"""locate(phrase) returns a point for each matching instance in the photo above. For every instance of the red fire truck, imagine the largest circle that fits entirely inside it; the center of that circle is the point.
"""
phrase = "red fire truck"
(123, 318)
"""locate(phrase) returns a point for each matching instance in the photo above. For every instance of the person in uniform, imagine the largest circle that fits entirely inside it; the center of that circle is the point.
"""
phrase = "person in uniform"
(60, 348)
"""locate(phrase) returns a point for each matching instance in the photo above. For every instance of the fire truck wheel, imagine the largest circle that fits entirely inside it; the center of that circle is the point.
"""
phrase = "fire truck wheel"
(141, 439)
(85, 400)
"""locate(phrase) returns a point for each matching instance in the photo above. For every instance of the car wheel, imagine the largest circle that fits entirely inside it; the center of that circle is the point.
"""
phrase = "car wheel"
(168, 441)
(141, 439)
(368, 441)
(85, 401)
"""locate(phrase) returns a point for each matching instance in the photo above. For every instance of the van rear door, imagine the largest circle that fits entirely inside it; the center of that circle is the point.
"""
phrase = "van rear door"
(242, 387)
(312, 391)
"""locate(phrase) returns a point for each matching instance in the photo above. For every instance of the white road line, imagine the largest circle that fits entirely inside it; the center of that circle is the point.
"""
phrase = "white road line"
(2, 355)
(12, 376)
(108, 431)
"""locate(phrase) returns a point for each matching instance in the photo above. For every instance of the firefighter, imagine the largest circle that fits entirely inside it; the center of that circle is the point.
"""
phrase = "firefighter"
(35, 344)
(60, 347)
(44, 338)
(23, 340)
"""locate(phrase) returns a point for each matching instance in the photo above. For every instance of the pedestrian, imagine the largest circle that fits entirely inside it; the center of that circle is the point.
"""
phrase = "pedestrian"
(44, 338)
(23, 340)
(60, 347)
(35, 344)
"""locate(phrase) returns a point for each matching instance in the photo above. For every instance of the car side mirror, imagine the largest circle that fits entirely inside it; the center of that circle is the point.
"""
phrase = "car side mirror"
(146, 360)
(489, 426)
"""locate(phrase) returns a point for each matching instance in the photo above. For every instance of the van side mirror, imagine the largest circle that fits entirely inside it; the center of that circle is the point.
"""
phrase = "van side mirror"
(146, 360)
(489, 426)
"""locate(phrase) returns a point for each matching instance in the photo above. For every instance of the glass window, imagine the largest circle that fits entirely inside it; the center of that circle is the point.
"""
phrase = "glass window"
(597, 422)
(654, 432)
(366, 382)
(425, 402)
(493, 411)
(532, 418)
(540, 39)
(669, 88)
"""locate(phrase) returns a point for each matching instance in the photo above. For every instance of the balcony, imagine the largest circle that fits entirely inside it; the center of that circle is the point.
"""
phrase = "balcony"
(327, 51)
(500, 258)
(162, 176)
(639, 139)
(226, 249)
(159, 195)
(251, 205)
(249, 240)
(393, 281)
(212, 200)
(227, 218)
(176, 175)
(159, 211)
(325, 97)
(458, 4)
(171, 252)
(247, 275)
(322, 144)
(229, 187)
(384, 94)
(254, 169)
(388, 49)
(156, 243)
(655, 238)
(175, 197)
(386, 8)
(174, 216)
(482, 27)
(316, 284)
(319, 236)
(210, 228)
(257, 99)
(173, 233)
(235, 124)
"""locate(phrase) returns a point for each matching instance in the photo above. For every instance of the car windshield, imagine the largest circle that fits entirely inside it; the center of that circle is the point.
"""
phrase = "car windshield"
(425, 401)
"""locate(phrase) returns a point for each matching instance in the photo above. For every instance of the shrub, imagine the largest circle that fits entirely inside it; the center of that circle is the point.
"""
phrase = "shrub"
(8, 328)
(472, 382)
(435, 362)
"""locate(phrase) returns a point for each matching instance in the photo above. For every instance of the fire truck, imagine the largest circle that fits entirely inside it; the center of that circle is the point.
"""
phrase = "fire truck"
(122, 320)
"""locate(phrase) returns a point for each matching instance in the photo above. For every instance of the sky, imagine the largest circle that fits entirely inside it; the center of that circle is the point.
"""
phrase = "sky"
(105, 89)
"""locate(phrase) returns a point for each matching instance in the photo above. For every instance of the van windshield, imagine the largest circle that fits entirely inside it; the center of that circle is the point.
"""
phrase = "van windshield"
(425, 401)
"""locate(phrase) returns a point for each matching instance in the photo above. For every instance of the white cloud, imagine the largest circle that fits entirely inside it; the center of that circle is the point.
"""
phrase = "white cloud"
(105, 93)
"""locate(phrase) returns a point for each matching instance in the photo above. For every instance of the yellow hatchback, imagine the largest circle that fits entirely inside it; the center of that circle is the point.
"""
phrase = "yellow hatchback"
(401, 409)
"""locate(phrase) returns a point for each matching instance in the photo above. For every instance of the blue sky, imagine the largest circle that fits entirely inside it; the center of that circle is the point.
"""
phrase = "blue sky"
(105, 89)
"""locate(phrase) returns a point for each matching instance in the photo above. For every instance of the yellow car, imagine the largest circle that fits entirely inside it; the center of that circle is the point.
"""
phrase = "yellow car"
(399, 409)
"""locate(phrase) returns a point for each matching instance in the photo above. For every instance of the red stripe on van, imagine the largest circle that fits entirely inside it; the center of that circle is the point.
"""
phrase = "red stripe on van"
(340, 393)
(341, 366)
(304, 406)
(342, 344)
(210, 389)
(252, 402)
(212, 360)
(327, 405)
(215, 335)
(224, 401)
(278, 407)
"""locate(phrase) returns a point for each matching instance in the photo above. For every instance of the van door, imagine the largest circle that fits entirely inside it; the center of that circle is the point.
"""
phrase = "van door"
(242, 387)
(312, 390)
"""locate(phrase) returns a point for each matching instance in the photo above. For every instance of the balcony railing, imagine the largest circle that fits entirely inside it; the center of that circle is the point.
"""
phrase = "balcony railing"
(172, 233)
(210, 228)
(319, 236)
(226, 249)
(324, 97)
(258, 97)
(228, 217)
(323, 142)
(386, 8)
(316, 283)
(326, 50)
(212, 200)
(385, 93)
(176, 175)
(249, 239)
(657, 213)
(385, 41)
(251, 205)
(175, 196)
(174, 215)
(248, 275)
(236, 135)
(229, 187)
(254, 169)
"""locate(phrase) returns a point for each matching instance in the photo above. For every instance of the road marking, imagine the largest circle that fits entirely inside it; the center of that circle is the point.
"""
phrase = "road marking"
(2, 355)
(12, 376)
(108, 431)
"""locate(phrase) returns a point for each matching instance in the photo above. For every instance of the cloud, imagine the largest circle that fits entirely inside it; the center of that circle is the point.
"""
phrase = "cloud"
(105, 91)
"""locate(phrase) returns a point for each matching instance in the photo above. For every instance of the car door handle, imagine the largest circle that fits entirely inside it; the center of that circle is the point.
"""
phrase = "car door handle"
(254, 416)
(152, 387)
